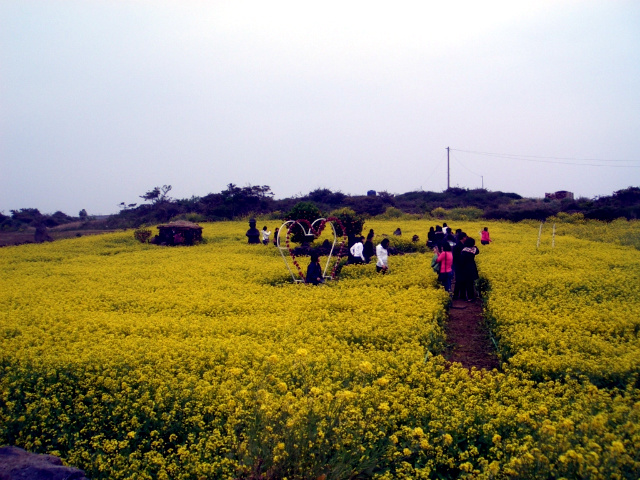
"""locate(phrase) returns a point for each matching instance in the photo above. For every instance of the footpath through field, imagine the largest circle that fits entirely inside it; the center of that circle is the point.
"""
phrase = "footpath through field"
(468, 340)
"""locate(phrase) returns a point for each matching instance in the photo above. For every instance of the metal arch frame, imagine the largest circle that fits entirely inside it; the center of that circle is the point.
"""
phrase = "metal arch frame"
(287, 225)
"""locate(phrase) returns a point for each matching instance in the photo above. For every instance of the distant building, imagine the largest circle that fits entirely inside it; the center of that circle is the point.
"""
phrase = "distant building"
(371, 193)
(559, 195)
(180, 232)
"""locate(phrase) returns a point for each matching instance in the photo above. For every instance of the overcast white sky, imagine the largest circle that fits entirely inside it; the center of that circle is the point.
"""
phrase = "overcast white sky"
(102, 100)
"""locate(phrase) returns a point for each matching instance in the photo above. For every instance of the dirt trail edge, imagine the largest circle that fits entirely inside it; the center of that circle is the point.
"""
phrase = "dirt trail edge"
(468, 340)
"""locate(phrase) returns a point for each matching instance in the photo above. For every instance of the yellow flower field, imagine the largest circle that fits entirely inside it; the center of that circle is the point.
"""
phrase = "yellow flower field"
(136, 361)
(570, 309)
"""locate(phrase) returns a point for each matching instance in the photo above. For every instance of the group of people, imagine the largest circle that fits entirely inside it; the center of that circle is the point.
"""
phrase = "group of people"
(454, 259)
(360, 252)
(256, 236)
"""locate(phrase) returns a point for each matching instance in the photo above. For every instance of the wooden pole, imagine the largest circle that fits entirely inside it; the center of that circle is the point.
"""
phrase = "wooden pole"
(539, 235)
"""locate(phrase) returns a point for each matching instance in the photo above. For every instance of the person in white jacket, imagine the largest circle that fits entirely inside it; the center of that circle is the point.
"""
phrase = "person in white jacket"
(382, 255)
(357, 250)
(265, 235)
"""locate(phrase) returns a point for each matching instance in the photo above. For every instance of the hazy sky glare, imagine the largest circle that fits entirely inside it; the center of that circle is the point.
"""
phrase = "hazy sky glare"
(100, 101)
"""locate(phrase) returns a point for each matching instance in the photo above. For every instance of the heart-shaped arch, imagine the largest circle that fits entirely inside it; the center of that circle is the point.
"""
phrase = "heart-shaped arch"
(310, 229)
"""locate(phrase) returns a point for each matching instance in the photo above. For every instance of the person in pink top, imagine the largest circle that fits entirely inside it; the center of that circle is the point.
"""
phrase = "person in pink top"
(445, 259)
(484, 236)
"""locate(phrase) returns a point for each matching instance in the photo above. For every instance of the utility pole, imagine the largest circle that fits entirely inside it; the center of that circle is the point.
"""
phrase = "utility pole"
(448, 176)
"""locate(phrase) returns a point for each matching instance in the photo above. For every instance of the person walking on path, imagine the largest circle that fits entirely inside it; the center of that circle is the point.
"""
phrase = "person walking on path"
(438, 236)
(356, 251)
(431, 238)
(382, 254)
(368, 250)
(467, 271)
(457, 248)
(445, 259)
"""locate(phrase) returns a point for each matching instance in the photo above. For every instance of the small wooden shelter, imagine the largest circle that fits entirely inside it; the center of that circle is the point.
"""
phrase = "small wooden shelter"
(179, 232)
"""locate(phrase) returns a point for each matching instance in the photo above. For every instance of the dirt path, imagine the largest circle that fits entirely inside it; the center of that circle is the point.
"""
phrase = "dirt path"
(468, 341)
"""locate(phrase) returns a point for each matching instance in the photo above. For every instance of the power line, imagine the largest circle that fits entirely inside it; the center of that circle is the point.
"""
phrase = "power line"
(465, 167)
(541, 159)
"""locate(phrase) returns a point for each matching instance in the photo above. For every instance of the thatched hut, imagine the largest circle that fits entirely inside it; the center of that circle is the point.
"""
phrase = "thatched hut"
(179, 232)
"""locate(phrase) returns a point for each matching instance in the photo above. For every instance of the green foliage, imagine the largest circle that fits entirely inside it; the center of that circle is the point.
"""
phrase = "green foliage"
(465, 213)
(455, 203)
(405, 245)
(302, 211)
(142, 234)
(392, 212)
(190, 217)
(422, 201)
(352, 222)
(276, 215)
(326, 196)
(439, 213)
(195, 217)
(564, 217)
(368, 205)
(619, 232)
(157, 195)
(28, 216)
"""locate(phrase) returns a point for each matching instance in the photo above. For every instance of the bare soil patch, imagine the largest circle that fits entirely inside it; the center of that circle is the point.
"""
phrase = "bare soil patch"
(468, 339)
(57, 233)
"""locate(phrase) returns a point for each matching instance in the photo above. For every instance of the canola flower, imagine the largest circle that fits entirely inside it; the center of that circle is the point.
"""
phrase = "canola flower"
(572, 309)
(135, 361)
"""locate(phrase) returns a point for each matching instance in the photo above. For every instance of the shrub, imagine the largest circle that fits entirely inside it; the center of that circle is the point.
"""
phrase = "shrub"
(302, 211)
(368, 205)
(195, 217)
(142, 234)
(275, 215)
(564, 217)
(191, 217)
(352, 222)
(392, 212)
(465, 213)
(405, 245)
(439, 213)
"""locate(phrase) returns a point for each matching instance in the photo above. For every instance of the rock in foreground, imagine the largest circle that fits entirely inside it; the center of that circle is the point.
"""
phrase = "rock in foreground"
(18, 464)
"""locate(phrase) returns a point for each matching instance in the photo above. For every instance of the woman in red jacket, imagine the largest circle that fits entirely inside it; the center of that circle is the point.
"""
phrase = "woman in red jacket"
(484, 236)
(445, 259)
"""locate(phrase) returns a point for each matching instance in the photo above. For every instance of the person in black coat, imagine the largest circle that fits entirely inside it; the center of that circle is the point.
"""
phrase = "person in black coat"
(314, 271)
(431, 238)
(457, 248)
(438, 236)
(368, 250)
(467, 271)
